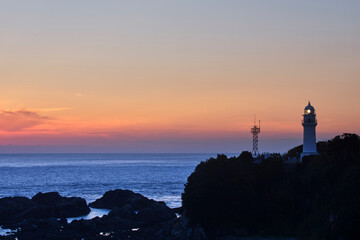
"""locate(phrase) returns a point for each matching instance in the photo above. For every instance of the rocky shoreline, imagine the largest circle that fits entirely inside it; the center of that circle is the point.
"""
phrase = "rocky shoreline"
(131, 216)
(223, 199)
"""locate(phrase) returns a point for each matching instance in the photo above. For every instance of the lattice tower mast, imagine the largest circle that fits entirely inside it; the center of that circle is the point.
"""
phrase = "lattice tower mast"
(255, 130)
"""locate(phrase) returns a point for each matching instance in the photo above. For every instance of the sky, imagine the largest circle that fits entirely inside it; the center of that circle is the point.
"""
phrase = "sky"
(175, 76)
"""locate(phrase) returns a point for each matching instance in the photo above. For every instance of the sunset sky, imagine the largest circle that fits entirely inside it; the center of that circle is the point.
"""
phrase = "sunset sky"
(175, 76)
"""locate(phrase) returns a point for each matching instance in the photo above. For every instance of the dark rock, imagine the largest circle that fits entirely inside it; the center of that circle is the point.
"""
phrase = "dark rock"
(125, 211)
(156, 212)
(119, 197)
(83, 226)
(53, 205)
(16, 210)
(35, 212)
(134, 208)
(182, 230)
(39, 228)
(132, 216)
(12, 206)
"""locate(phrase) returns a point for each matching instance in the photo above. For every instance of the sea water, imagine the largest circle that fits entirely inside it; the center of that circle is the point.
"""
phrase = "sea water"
(156, 176)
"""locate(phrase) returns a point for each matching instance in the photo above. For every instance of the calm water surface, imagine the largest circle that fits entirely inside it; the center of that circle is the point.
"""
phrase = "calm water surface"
(157, 176)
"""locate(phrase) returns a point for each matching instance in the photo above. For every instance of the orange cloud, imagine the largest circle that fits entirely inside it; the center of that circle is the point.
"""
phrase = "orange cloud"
(13, 121)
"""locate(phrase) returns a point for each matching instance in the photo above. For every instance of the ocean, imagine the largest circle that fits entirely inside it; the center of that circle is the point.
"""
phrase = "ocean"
(157, 176)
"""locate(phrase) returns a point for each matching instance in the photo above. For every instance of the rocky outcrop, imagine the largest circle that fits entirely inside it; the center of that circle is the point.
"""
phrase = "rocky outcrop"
(58, 206)
(133, 208)
(181, 230)
(132, 216)
(42, 205)
(119, 197)
(10, 207)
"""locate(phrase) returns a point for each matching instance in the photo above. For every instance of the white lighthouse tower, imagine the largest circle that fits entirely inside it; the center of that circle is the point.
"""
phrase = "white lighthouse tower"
(309, 123)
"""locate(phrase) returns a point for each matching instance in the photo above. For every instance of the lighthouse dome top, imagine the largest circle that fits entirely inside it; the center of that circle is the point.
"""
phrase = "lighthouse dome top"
(309, 109)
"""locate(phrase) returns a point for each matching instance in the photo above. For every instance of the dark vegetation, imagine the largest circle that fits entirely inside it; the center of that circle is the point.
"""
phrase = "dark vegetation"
(317, 199)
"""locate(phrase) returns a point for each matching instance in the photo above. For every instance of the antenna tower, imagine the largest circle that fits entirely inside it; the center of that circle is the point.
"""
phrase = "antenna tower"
(255, 130)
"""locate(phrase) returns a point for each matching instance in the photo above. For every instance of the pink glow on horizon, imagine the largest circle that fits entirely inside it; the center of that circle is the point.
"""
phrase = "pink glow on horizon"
(182, 76)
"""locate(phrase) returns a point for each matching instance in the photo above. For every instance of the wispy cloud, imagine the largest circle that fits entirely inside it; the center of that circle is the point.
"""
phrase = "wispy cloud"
(18, 120)
(57, 109)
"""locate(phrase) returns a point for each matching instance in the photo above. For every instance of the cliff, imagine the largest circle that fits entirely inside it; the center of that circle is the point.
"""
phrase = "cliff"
(317, 199)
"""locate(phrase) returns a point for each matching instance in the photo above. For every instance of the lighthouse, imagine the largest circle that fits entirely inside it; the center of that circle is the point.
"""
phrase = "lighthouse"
(309, 123)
